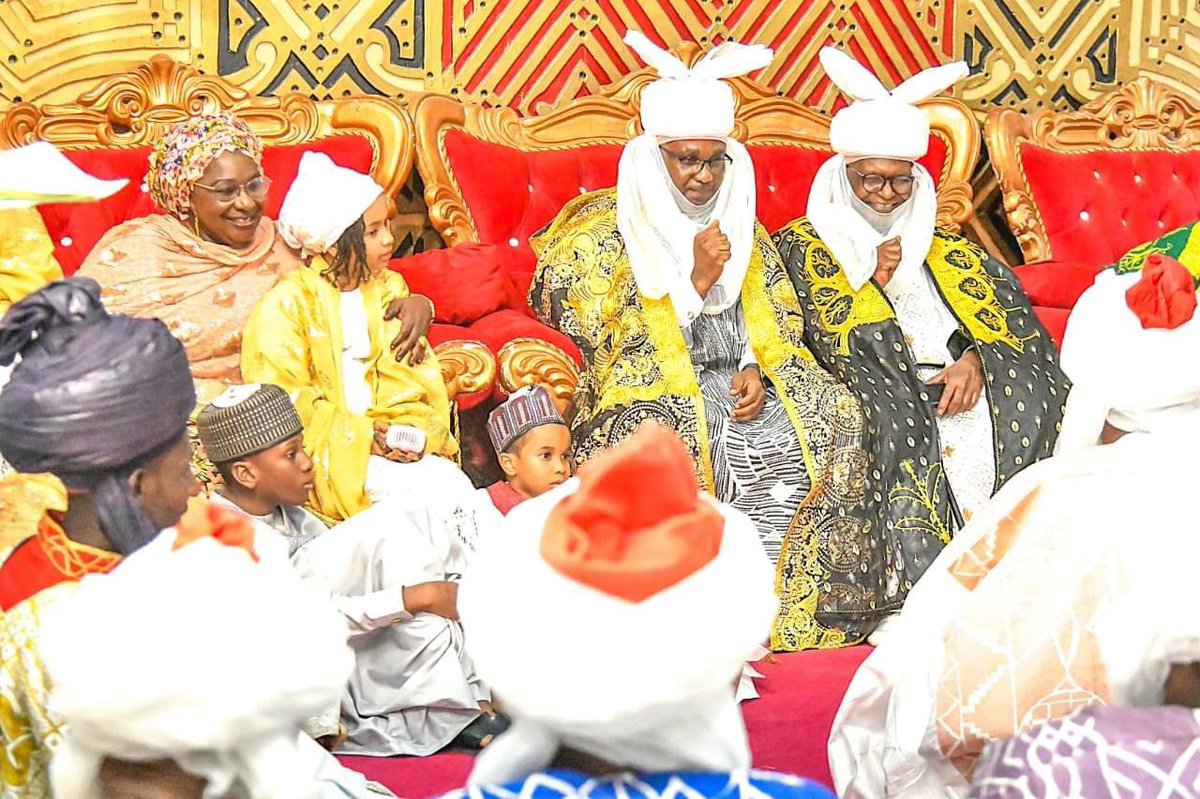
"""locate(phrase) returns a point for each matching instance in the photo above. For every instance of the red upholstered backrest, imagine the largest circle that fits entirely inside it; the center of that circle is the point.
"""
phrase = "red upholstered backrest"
(512, 194)
(1096, 206)
(75, 229)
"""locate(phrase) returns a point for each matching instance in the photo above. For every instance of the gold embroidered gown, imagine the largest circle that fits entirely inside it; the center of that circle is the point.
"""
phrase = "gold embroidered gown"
(638, 366)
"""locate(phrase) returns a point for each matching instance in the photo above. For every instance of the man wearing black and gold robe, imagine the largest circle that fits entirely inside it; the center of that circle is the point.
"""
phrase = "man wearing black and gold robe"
(959, 382)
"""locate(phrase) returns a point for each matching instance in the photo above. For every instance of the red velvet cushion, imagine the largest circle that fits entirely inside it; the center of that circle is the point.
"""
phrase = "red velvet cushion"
(513, 194)
(1056, 284)
(536, 185)
(784, 176)
(76, 228)
(464, 282)
(1097, 206)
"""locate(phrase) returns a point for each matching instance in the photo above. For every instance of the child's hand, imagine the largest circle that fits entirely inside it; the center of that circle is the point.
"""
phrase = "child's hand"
(440, 599)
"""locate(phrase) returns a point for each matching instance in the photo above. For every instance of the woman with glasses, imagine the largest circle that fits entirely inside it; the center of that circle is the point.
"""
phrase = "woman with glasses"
(680, 305)
(203, 265)
(959, 382)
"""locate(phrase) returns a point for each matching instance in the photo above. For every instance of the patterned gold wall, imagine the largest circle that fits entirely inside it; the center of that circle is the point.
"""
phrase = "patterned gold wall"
(1026, 53)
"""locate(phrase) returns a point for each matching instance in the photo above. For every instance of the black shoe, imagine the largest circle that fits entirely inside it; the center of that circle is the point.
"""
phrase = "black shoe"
(480, 732)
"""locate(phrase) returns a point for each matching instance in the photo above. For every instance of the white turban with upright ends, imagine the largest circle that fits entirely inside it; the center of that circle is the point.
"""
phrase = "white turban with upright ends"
(877, 124)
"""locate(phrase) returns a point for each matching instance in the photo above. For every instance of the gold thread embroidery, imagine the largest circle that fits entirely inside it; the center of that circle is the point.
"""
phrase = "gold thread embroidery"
(841, 308)
(72, 559)
(957, 266)
(924, 492)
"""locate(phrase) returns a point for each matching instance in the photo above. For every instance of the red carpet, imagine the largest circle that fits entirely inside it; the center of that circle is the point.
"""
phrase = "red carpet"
(789, 727)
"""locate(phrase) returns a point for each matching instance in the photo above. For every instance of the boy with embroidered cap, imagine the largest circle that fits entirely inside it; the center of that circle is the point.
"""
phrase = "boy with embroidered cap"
(656, 593)
(958, 380)
(389, 572)
(533, 445)
(253, 436)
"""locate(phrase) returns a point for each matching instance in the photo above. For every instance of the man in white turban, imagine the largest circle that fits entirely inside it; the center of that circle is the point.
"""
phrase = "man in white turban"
(655, 594)
(1071, 587)
(680, 306)
(958, 380)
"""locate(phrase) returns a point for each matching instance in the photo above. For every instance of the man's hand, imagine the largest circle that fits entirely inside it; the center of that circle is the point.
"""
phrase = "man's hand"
(416, 314)
(887, 258)
(964, 384)
(710, 251)
(379, 446)
(440, 599)
(747, 385)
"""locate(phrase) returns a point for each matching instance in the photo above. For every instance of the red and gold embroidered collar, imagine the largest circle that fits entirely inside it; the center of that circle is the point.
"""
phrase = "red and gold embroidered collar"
(72, 559)
(46, 560)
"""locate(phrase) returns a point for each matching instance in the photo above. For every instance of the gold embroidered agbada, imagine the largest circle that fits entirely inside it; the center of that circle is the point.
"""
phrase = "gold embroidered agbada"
(293, 339)
(155, 267)
(26, 255)
(637, 366)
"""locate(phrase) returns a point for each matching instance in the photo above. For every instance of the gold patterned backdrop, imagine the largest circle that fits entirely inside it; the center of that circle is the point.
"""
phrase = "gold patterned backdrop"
(1027, 54)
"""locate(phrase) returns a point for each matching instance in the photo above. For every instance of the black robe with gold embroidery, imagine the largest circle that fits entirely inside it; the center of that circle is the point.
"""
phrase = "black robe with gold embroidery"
(910, 506)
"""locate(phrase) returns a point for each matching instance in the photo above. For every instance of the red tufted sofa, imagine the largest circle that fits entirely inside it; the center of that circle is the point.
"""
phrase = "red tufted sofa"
(110, 129)
(1082, 188)
(493, 179)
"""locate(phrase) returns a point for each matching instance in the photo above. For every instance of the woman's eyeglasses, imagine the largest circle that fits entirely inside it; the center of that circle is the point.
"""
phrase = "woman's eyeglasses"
(901, 184)
(256, 188)
(691, 165)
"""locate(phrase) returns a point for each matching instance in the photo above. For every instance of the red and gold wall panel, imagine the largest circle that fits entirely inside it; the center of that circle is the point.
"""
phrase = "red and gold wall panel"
(1023, 53)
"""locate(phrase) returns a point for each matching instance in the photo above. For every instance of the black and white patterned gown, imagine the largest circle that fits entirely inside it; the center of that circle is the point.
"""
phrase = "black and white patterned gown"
(758, 466)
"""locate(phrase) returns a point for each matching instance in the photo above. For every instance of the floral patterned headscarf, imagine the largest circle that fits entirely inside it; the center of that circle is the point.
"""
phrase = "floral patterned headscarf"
(180, 157)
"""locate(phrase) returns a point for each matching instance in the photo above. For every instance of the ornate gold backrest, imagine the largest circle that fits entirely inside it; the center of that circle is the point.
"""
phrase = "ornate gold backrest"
(611, 117)
(1142, 115)
(138, 107)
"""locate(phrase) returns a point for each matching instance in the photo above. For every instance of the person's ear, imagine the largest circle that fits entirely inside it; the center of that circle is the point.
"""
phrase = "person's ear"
(245, 474)
(137, 484)
(508, 462)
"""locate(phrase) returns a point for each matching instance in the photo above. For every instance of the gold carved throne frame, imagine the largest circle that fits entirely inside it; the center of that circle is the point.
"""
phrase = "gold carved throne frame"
(1141, 115)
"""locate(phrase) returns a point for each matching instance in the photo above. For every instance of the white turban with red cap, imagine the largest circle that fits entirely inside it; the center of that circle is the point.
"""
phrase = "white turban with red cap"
(640, 601)
(197, 651)
(1130, 351)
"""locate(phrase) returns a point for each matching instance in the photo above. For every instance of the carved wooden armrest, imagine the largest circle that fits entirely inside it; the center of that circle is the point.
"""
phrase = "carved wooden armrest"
(467, 367)
(531, 361)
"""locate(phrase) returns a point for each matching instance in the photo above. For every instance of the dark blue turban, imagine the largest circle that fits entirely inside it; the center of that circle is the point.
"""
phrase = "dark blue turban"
(94, 398)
